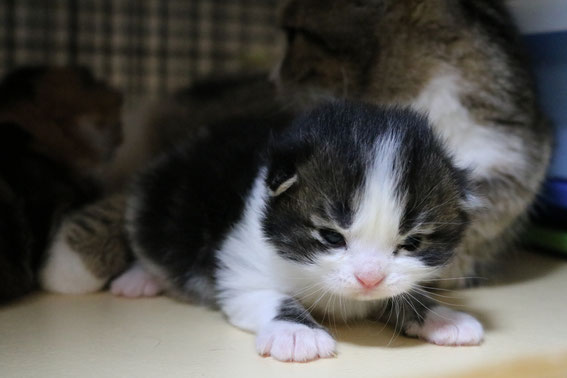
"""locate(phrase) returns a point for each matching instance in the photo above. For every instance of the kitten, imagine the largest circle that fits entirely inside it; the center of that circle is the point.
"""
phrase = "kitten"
(88, 248)
(73, 118)
(344, 212)
(58, 130)
(460, 62)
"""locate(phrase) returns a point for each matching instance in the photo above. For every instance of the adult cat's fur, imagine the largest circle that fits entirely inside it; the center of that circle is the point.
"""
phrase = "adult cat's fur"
(460, 62)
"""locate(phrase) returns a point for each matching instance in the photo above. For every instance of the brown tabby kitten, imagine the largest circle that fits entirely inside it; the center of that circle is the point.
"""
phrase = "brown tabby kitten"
(59, 128)
(88, 249)
(459, 61)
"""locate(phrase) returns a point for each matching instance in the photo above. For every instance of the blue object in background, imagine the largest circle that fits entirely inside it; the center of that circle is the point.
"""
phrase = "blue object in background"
(549, 59)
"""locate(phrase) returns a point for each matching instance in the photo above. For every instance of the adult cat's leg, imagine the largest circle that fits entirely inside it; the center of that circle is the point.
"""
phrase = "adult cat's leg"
(284, 329)
(419, 316)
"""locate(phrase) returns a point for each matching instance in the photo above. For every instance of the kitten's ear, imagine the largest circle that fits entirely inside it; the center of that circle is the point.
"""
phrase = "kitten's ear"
(285, 158)
(282, 174)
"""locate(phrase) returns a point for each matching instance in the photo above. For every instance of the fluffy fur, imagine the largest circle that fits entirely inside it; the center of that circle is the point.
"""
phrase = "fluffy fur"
(351, 204)
(458, 61)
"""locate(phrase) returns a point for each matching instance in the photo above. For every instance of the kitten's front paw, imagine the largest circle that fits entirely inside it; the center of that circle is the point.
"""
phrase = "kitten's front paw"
(287, 341)
(443, 326)
(135, 282)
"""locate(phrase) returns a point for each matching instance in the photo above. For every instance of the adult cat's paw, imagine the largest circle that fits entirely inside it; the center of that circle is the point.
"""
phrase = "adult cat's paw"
(443, 326)
(287, 341)
(135, 282)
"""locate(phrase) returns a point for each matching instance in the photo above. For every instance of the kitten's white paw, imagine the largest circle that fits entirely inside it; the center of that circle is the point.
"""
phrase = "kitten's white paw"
(287, 341)
(135, 282)
(64, 270)
(443, 326)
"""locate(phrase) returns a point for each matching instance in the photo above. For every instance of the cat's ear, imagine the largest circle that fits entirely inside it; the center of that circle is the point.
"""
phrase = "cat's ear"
(282, 174)
(285, 158)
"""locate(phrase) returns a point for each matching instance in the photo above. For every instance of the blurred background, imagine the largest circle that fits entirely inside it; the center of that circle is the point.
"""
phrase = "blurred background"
(147, 48)
(143, 47)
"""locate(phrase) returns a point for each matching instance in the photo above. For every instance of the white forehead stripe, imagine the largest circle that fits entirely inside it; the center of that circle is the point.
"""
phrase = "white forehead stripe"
(381, 203)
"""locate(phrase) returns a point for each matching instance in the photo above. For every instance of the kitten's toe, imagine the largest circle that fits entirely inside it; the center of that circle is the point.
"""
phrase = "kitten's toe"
(443, 326)
(287, 341)
(135, 282)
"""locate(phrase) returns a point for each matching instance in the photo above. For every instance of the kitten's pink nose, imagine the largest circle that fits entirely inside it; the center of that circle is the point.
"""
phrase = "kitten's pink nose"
(369, 280)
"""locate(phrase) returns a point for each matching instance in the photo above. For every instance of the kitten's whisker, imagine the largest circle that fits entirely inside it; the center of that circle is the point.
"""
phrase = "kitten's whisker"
(436, 288)
(456, 278)
(415, 287)
(308, 310)
(380, 317)
(426, 295)
(412, 306)
(397, 321)
(428, 308)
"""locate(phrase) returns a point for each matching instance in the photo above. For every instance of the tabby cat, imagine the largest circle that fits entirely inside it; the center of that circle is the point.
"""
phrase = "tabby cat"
(459, 61)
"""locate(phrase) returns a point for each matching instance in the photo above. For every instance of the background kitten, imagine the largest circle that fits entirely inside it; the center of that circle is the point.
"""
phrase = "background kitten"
(343, 213)
(88, 248)
(73, 119)
(58, 130)
(460, 62)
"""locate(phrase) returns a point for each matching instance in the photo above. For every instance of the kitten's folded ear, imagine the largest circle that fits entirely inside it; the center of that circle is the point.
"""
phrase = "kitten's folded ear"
(280, 182)
(284, 159)
(282, 172)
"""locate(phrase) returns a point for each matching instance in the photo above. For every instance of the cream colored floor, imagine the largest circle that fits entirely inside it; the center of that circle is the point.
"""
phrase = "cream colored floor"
(102, 336)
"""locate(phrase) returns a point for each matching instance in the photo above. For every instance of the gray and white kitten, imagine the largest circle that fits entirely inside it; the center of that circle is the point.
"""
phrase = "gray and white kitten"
(345, 213)
(458, 61)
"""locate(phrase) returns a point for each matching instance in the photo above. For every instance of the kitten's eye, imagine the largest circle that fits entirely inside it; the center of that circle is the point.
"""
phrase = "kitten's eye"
(332, 237)
(411, 243)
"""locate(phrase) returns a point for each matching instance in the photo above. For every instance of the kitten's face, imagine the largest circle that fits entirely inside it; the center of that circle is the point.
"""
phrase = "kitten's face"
(331, 46)
(373, 207)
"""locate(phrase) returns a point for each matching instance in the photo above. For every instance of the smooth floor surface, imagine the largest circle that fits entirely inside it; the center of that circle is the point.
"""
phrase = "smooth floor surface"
(99, 335)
